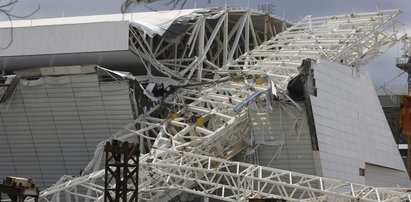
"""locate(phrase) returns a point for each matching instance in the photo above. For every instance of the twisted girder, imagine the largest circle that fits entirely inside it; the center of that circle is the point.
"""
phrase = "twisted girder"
(214, 37)
(220, 133)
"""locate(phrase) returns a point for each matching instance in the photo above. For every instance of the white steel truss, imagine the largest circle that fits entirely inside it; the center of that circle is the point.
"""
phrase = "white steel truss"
(209, 124)
(214, 37)
(236, 181)
(232, 181)
(351, 39)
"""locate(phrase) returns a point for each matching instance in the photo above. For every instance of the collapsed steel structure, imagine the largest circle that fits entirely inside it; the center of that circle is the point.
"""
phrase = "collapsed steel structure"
(222, 67)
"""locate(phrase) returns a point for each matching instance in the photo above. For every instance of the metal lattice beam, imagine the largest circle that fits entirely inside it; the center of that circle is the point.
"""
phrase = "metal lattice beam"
(351, 39)
(236, 181)
(213, 38)
(208, 123)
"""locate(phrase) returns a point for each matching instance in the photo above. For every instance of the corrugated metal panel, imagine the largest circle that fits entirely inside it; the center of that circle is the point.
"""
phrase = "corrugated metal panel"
(285, 123)
(52, 129)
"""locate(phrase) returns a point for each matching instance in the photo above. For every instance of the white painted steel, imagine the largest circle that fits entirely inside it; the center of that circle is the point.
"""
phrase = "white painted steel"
(193, 158)
(213, 37)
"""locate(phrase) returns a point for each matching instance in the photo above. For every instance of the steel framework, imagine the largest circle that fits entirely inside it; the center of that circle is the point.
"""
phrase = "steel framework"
(121, 169)
(213, 38)
(208, 121)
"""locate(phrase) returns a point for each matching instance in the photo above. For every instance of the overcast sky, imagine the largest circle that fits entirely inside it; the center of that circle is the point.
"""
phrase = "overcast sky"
(382, 69)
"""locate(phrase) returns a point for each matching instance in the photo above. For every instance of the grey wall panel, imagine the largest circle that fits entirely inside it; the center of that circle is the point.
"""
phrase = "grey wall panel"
(351, 127)
(52, 129)
(280, 125)
(383, 177)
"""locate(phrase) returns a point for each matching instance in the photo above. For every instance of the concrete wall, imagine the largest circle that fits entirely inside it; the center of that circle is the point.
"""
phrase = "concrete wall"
(51, 128)
(59, 39)
(351, 127)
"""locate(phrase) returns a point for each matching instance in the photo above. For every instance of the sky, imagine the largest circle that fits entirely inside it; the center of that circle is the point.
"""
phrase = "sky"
(382, 69)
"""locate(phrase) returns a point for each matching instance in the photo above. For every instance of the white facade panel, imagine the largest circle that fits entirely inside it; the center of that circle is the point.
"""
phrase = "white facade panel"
(161, 19)
(52, 129)
(59, 39)
(350, 124)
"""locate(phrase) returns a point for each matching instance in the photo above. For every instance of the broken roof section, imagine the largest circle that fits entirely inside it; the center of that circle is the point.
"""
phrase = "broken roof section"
(193, 48)
(106, 40)
(50, 40)
(161, 19)
(157, 22)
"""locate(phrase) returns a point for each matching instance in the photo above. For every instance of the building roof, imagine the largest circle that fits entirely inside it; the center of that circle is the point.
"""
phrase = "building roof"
(159, 18)
(97, 39)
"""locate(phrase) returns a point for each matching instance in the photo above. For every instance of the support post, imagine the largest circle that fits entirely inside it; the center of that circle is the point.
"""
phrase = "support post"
(121, 167)
(247, 32)
(225, 38)
(201, 52)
